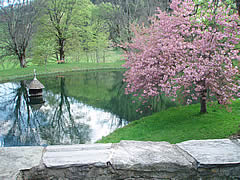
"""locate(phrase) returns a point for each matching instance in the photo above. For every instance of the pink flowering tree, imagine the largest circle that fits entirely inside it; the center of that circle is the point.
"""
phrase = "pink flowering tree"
(190, 51)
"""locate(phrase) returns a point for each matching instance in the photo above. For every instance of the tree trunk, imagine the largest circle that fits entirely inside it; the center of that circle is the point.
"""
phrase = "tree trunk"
(57, 55)
(97, 56)
(203, 104)
(92, 58)
(203, 99)
(87, 56)
(45, 60)
(61, 54)
(61, 50)
(104, 57)
(22, 60)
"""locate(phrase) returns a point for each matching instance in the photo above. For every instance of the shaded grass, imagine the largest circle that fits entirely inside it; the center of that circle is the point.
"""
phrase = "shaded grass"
(107, 55)
(180, 124)
(20, 73)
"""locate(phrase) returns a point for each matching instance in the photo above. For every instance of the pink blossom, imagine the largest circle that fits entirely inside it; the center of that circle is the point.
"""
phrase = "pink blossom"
(183, 53)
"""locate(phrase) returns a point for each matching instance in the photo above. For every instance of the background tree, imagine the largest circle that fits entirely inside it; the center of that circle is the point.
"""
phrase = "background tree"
(121, 14)
(80, 30)
(186, 53)
(60, 17)
(68, 20)
(43, 43)
(99, 32)
(17, 19)
(89, 32)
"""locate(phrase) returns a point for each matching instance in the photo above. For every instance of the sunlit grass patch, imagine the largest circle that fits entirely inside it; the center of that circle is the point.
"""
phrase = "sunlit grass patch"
(180, 124)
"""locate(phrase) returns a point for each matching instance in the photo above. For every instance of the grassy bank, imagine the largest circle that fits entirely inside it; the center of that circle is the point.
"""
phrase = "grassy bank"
(180, 124)
(10, 74)
(10, 68)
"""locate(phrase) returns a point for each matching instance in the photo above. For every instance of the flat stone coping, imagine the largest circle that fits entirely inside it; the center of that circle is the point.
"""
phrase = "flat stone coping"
(210, 153)
(13, 159)
(76, 155)
(157, 156)
(185, 157)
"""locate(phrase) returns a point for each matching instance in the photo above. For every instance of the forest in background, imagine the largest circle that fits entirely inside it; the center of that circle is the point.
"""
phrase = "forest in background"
(49, 31)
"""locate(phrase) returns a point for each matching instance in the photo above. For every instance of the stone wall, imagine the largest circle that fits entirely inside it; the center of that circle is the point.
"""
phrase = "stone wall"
(130, 160)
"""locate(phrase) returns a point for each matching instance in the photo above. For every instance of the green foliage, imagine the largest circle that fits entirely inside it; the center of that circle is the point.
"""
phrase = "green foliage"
(79, 29)
(82, 33)
(89, 34)
(112, 61)
(44, 43)
(180, 124)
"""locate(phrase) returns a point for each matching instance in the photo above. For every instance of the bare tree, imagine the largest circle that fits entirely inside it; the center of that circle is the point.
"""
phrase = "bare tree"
(126, 12)
(17, 19)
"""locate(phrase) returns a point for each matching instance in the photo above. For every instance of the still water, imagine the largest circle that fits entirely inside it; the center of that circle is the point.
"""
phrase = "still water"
(76, 108)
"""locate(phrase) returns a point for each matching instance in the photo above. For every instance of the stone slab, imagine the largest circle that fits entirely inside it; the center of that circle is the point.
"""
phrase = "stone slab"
(124, 160)
(76, 155)
(14, 159)
(151, 156)
(213, 152)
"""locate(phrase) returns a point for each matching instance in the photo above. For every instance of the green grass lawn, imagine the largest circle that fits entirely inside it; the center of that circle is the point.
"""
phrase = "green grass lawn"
(10, 69)
(180, 124)
(20, 73)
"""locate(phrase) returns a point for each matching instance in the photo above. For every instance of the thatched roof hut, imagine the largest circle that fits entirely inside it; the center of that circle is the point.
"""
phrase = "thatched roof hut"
(35, 87)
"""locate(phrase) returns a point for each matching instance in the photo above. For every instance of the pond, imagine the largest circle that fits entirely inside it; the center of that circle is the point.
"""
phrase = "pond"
(76, 108)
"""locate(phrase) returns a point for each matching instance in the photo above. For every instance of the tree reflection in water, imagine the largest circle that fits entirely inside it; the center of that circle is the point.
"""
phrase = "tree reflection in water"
(62, 119)
(123, 105)
(78, 108)
(28, 125)
(61, 127)
(23, 128)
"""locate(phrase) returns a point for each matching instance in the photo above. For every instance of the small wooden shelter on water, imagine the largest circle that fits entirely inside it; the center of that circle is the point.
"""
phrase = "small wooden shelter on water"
(35, 87)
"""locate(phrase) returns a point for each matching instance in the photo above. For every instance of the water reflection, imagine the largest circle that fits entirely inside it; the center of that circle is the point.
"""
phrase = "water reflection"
(60, 120)
(16, 125)
(122, 105)
(76, 108)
